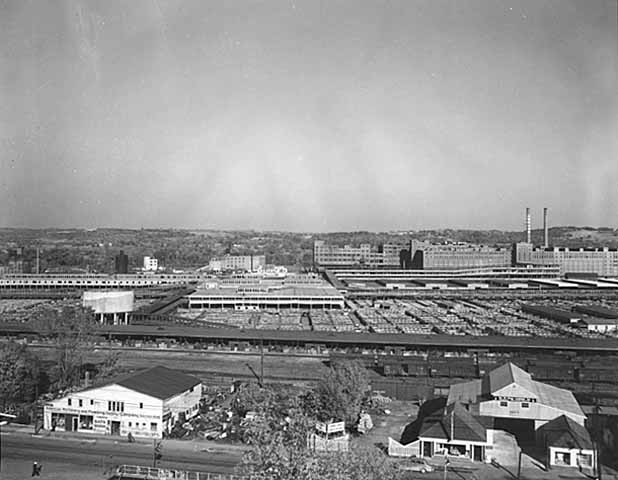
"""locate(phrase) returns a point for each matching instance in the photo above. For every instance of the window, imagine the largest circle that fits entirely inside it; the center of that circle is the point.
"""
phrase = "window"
(153, 426)
(130, 424)
(504, 404)
(91, 401)
(141, 405)
(525, 405)
(86, 422)
(69, 402)
(81, 402)
(191, 389)
(115, 406)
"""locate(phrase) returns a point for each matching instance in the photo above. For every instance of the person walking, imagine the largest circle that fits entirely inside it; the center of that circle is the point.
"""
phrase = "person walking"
(36, 469)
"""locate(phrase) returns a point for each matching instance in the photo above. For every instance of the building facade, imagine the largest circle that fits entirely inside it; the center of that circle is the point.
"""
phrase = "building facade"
(600, 261)
(151, 264)
(145, 404)
(244, 263)
(446, 257)
(386, 255)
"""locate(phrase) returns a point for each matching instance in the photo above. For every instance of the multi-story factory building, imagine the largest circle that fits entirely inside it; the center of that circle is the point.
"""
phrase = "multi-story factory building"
(245, 263)
(414, 255)
(445, 257)
(599, 261)
(386, 255)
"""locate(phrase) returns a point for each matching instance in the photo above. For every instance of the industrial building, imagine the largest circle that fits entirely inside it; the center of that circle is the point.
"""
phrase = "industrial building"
(446, 257)
(387, 255)
(600, 261)
(121, 263)
(111, 308)
(244, 263)
(144, 404)
(517, 403)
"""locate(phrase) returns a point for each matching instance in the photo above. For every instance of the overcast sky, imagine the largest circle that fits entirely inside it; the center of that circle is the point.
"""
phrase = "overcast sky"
(308, 115)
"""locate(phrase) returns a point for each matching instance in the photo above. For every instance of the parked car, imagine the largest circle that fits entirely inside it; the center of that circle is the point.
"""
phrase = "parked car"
(417, 465)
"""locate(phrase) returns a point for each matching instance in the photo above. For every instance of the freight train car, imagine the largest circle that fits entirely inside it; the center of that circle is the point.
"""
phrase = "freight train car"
(552, 371)
(460, 367)
(600, 375)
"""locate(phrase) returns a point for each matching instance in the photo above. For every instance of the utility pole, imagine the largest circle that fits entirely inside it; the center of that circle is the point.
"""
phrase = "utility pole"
(262, 361)
(446, 462)
(35, 408)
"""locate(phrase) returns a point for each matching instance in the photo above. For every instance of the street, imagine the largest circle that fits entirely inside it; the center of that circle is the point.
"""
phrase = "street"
(19, 450)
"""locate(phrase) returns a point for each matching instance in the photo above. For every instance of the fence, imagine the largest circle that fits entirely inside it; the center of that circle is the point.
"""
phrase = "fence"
(148, 473)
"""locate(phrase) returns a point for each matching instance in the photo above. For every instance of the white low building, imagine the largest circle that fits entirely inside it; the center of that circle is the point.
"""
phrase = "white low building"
(145, 404)
(601, 325)
(566, 444)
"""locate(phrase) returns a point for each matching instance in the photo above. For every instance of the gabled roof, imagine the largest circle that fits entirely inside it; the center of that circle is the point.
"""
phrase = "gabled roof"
(507, 375)
(456, 424)
(159, 382)
(509, 380)
(566, 433)
(466, 392)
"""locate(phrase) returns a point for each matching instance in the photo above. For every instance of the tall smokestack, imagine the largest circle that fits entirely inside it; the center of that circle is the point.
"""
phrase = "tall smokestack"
(528, 226)
(545, 229)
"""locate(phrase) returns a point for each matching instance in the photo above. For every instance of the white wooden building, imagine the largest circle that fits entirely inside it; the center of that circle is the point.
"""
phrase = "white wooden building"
(145, 404)
(566, 444)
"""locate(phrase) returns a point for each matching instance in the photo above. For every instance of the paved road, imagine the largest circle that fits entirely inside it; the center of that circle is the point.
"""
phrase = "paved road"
(77, 452)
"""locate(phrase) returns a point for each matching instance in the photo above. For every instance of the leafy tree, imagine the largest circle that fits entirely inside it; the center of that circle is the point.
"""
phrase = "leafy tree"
(19, 375)
(71, 329)
(280, 451)
(340, 394)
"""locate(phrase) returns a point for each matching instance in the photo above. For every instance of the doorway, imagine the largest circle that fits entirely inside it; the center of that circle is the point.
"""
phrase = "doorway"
(478, 454)
(69, 423)
(115, 428)
(75, 424)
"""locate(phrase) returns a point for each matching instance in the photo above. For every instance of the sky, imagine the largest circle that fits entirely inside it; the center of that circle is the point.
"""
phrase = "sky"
(308, 115)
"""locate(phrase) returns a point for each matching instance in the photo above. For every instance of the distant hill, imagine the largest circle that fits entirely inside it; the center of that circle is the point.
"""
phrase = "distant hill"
(94, 249)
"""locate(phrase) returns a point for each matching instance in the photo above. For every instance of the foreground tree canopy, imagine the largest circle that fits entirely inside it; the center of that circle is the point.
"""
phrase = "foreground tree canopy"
(71, 329)
(19, 375)
(282, 422)
(340, 394)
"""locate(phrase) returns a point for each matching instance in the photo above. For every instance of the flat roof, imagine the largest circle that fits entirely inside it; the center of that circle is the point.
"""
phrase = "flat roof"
(386, 339)
(261, 291)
